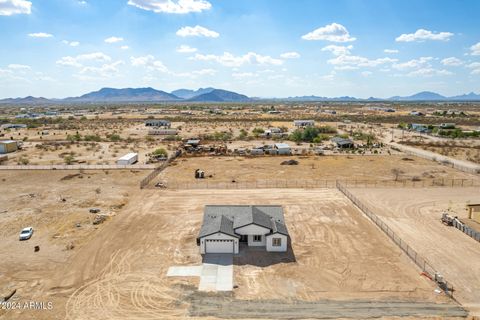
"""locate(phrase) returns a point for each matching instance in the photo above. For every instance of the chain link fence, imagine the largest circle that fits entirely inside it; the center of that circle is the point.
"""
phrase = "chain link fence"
(421, 262)
(315, 184)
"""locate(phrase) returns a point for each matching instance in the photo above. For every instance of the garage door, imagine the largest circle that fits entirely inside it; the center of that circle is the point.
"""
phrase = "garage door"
(219, 246)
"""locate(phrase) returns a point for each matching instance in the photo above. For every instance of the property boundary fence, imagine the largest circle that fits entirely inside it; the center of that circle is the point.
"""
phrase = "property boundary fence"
(315, 184)
(152, 175)
(466, 229)
(464, 166)
(421, 262)
(79, 167)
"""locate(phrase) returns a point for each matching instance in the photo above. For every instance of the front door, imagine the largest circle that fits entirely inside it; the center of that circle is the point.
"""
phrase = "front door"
(244, 238)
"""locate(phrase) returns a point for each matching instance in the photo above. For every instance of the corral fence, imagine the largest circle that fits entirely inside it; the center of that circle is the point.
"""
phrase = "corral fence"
(466, 229)
(316, 184)
(152, 175)
(79, 167)
(421, 262)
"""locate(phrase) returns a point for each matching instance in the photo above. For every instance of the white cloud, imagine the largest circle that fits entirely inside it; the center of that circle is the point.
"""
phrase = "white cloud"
(452, 61)
(333, 32)
(475, 66)
(347, 62)
(197, 73)
(390, 51)
(124, 47)
(242, 75)
(77, 61)
(148, 62)
(414, 63)
(71, 43)
(186, 49)
(338, 50)
(366, 74)
(113, 40)
(475, 49)
(19, 67)
(229, 60)
(11, 7)
(197, 31)
(422, 35)
(171, 6)
(104, 71)
(429, 72)
(290, 55)
(40, 35)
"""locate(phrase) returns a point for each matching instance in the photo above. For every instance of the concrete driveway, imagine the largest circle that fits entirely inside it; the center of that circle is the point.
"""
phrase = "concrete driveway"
(217, 272)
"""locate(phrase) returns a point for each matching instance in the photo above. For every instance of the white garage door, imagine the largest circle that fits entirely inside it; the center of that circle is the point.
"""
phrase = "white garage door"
(219, 246)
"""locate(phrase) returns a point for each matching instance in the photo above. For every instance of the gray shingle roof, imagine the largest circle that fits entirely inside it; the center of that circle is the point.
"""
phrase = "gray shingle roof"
(227, 218)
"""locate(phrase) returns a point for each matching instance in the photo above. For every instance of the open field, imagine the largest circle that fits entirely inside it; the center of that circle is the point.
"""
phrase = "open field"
(241, 169)
(120, 272)
(414, 214)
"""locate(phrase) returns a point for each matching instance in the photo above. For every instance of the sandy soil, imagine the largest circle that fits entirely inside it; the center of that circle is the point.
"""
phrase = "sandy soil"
(241, 169)
(415, 214)
(120, 273)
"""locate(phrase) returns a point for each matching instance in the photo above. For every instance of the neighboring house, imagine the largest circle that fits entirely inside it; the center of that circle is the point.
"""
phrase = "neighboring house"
(13, 126)
(226, 226)
(303, 123)
(419, 127)
(157, 123)
(343, 143)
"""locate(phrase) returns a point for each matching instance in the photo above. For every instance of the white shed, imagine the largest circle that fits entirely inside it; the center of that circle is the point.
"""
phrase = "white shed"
(128, 159)
(283, 148)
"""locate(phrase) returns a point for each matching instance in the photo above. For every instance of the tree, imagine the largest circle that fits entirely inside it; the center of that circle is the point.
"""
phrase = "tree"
(397, 172)
(160, 153)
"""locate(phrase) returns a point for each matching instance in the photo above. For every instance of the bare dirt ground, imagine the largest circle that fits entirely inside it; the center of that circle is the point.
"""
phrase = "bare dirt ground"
(414, 214)
(242, 169)
(120, 272)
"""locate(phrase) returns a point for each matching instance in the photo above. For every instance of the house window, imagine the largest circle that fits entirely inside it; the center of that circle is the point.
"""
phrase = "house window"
(276, 242)
(257, 238)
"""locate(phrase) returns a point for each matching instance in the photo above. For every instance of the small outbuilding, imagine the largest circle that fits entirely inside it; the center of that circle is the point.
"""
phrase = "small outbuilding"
(158, 123)
(303, 123)
(7, 146)
(128, 159)
(282, 149)
(474, 212)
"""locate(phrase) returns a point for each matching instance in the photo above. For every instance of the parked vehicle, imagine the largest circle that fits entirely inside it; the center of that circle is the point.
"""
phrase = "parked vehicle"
(26, 233)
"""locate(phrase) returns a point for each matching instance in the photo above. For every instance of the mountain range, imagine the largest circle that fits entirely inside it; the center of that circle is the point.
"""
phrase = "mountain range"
(214, 95)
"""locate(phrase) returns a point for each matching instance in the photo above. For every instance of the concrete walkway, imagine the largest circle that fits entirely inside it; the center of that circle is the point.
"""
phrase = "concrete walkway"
(216, 272)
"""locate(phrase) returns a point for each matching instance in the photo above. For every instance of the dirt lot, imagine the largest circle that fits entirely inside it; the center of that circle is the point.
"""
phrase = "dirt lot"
(415, 214)
(241, 169)
(120, 273)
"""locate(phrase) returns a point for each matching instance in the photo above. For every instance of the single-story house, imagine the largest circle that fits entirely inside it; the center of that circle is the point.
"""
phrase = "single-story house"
(303, 123)
(226, 226)
(157, 123)
(419, 127)
(13, 126)
(282, 148)
(7, 146)
(343, 143)
(192, 143)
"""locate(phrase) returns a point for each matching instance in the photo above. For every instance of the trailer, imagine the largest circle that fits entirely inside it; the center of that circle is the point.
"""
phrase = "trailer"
(128, 159)
(7, 146)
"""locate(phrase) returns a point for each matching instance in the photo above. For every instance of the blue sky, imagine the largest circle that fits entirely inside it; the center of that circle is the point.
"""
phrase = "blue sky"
(265, 48)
